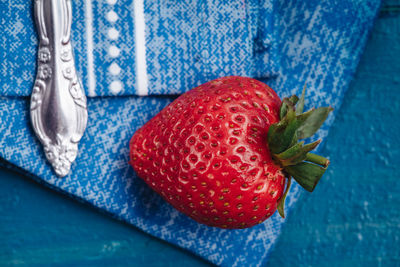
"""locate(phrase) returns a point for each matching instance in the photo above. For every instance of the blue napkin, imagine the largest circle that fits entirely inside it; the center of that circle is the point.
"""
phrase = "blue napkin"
(166, 47)
(126, 49)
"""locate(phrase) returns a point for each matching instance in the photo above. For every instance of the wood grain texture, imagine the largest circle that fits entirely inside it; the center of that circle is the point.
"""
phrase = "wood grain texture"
(352, 219)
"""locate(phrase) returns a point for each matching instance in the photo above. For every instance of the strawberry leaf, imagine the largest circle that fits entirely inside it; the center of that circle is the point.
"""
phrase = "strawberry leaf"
(281, 204)
(283, 134)
(306, 174)
(300, 104)
(296, 153)
(280, 135)
(313, 122)
(287, 103)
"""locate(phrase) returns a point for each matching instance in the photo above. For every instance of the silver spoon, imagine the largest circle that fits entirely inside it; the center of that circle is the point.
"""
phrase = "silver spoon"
(58, 102)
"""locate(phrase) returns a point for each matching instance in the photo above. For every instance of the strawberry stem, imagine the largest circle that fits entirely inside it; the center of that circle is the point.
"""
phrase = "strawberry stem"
(293, 156)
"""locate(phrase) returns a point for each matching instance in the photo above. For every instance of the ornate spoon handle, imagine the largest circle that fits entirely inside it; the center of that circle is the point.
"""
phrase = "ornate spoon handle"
(58, 103)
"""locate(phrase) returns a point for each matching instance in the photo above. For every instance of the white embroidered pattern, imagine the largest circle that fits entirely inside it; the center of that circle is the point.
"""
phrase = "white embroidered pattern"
(114, 52)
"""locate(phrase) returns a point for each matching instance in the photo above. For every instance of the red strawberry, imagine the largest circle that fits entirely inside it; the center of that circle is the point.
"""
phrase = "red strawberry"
(213, 155)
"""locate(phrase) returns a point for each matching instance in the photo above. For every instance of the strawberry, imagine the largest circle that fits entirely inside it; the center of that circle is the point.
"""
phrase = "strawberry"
(224, 152)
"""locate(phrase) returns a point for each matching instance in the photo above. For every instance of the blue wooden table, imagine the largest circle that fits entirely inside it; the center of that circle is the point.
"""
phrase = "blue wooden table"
(352, 219)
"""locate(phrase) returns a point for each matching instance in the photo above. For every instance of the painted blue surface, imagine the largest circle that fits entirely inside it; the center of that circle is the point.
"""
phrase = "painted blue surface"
(352, 218)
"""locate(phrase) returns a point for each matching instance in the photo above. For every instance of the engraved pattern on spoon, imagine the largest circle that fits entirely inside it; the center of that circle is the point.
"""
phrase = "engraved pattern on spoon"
(58, 103)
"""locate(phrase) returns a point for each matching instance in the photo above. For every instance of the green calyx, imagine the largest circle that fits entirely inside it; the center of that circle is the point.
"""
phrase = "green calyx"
(293, 155)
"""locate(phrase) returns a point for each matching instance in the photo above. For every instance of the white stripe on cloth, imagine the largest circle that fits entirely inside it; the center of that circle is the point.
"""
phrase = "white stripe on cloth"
(89, 40)
(140, 41)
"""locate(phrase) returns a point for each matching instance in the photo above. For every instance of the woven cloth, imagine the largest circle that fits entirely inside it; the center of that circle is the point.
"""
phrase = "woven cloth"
(135, 56)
